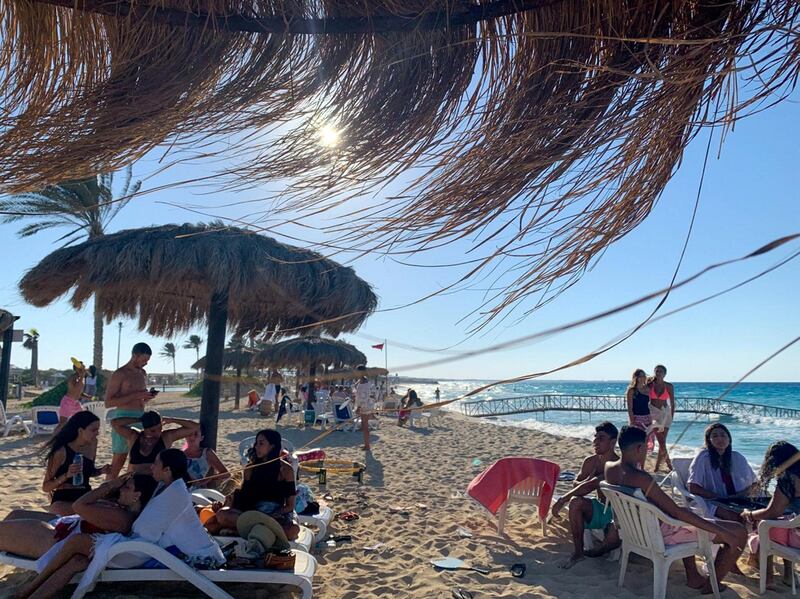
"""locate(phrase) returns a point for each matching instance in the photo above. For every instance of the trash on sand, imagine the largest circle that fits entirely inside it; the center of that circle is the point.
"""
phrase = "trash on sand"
(463, 532)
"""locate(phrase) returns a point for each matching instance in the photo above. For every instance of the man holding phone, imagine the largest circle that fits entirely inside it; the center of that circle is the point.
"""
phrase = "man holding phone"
(127, 393)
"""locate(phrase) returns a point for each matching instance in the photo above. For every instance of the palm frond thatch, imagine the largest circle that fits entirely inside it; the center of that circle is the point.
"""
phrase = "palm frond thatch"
(235, 360)
(310, 351)
(166, 276)
(548, 128)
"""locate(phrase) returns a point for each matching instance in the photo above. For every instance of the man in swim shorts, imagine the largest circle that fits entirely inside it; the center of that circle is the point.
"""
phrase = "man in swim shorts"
(590, 513)
(627, 473)
(127, 392)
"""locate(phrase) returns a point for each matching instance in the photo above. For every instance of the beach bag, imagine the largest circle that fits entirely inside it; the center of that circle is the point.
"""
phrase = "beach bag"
(304, 499)
(279, 560)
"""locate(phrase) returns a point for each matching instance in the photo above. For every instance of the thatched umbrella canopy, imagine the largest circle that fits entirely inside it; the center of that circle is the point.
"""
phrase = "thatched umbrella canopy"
(547, 127)
(174, 276)
(309, 353)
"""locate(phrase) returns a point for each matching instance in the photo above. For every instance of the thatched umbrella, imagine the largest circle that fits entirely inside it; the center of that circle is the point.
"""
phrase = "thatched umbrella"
(309, 353)
(174, 276)
(550, 125)
(235, 359)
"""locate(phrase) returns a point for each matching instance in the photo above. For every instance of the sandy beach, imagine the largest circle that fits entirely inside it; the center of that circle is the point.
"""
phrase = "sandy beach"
(411, 503)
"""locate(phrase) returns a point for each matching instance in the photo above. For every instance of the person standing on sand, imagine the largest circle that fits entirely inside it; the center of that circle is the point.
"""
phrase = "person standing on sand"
(436, 394)
(638, 400)
(127, 392)
(662, 409)
(71, 402)
(363, 401)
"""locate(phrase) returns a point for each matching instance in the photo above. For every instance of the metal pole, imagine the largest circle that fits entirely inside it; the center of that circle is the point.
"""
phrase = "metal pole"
(119, 341)
(386, 366)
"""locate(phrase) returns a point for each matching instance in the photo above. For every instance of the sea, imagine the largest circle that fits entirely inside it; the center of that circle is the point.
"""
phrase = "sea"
(751, 434)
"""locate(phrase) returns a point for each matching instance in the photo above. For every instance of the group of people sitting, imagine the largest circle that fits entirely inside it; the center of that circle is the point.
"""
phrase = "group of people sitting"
(717, 472)
(151, 502)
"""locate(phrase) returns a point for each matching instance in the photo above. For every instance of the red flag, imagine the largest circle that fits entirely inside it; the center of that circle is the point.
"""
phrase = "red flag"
(379, 346)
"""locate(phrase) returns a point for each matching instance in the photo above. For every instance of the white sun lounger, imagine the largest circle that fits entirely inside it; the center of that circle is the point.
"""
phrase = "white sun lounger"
(176, 570)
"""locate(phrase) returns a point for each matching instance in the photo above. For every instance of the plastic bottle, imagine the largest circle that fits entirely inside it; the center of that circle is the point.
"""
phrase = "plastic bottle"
(77, 479)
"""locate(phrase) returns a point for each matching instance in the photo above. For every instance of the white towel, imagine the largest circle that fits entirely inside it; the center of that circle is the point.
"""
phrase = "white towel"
(168, 519)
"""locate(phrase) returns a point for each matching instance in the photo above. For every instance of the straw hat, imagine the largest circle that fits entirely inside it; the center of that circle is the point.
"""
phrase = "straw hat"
(257, 526)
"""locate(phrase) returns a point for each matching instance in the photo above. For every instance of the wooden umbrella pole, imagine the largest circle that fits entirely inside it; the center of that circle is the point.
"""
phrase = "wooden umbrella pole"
(215, 349)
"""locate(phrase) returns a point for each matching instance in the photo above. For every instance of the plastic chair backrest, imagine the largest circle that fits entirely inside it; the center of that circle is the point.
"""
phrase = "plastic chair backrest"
(681, 466)
(244, 448)
(46, 416)
(342, 412)
(636, 519)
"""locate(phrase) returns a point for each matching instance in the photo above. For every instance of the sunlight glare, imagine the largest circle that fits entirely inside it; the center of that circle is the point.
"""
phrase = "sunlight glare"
(328, 136)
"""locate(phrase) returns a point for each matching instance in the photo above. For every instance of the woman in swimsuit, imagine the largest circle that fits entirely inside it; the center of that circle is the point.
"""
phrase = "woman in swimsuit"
(662, 409)
(638, 400)
(112, 507)
(268, 487)
(203, 461)
(143, 447)
(78, 435)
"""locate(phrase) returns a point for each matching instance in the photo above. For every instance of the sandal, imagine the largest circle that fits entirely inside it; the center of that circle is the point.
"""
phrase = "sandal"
(518, 570)
(347, 516)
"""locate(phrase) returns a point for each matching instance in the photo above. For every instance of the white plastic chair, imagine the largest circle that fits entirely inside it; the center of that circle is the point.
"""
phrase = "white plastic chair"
(99, 409)
(767, 547)
(12, 423)
(44, 420)
(526, 492)
(638, 523)
(678, 479)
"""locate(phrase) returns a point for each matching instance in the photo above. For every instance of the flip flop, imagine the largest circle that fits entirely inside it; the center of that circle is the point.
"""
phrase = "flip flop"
(567, 477)
(461, 594)
(518, 570)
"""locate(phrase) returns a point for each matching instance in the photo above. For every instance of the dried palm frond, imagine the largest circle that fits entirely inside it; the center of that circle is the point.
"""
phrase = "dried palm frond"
(545, 129)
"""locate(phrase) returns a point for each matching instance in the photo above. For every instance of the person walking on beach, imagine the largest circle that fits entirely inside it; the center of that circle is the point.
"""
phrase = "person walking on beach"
(638, 400)
(363, 401)
(592, 514)
(127, 392)
(662, 410)
(731, 535)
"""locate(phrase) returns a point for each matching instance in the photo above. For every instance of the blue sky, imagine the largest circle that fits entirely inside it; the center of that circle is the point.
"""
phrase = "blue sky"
(750, 197)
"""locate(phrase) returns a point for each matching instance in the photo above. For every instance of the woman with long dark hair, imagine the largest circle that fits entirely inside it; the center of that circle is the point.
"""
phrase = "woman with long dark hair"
(781, 462)
(718, 471)
(78, 436)
(410, 400)
(112, 507)
(268, 487)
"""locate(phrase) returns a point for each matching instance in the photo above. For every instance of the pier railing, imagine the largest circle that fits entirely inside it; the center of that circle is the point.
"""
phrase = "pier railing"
(615, 403)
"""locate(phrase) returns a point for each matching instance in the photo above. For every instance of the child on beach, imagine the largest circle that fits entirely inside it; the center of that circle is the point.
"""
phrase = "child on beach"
(627, 472)
(592, 513)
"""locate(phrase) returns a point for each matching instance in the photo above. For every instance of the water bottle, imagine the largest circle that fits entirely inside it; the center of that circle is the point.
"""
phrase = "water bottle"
(77, 479)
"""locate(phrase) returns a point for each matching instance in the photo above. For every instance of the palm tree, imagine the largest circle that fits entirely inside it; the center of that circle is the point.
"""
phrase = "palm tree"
(31, 342)
(169, 351)
(194, 342)
(85, 206)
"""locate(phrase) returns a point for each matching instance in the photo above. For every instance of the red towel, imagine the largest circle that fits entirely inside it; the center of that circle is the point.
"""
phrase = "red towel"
(490, 488)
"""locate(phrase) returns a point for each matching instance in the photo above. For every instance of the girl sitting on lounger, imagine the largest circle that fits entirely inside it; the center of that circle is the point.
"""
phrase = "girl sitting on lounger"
(77, 436)
(268, 487)
(718, 471)
(112, 507)
(203, 461)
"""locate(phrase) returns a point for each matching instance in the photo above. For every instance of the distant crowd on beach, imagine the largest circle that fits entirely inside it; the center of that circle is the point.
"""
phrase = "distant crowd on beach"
(715, 485)
(153, 499)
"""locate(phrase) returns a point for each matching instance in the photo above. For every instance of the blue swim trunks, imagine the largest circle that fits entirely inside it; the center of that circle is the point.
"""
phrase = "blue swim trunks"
(601, 515)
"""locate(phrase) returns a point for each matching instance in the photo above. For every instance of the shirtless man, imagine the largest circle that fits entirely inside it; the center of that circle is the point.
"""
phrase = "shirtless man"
(591, 513)
(731, 535)
(127, 392)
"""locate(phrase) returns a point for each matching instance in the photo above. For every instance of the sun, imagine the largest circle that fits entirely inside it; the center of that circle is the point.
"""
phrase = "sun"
(329, 137)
